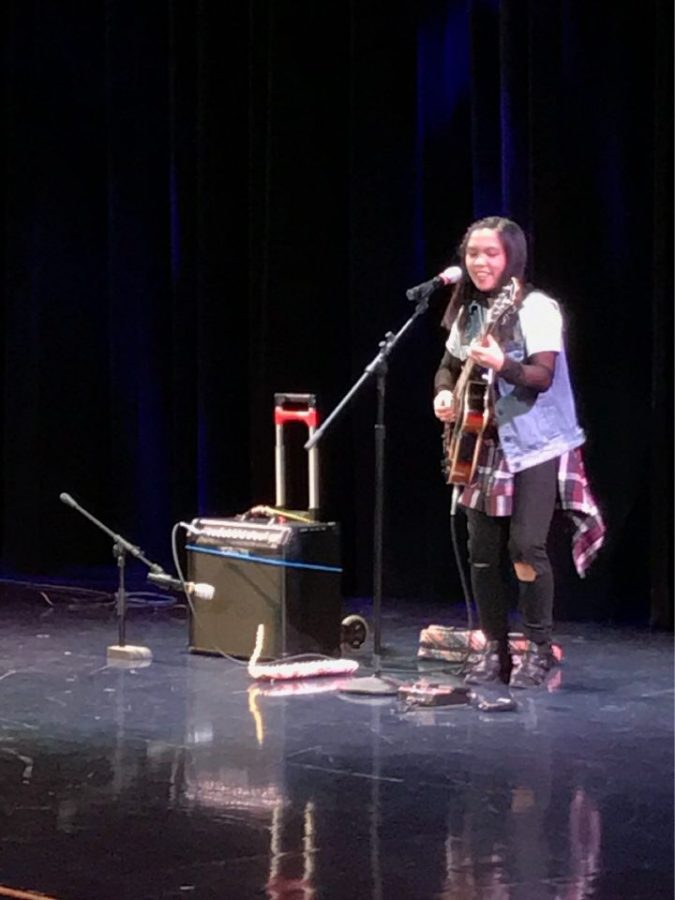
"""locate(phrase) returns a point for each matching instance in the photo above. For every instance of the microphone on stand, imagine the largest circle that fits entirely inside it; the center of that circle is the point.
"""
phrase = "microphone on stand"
(168, 583)
(448, 276)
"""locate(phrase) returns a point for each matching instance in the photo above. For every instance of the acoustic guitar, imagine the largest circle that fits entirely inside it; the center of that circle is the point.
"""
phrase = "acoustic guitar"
(472, 399)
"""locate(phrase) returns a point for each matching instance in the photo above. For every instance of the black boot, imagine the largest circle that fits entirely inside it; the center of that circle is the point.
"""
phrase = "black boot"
(494, 666)
(533, 667)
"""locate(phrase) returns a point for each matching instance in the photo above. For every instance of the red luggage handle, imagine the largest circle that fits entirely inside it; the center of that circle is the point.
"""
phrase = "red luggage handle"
(306, 414)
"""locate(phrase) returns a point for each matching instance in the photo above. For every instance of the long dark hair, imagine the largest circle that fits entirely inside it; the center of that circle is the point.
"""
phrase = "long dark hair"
(515, 248)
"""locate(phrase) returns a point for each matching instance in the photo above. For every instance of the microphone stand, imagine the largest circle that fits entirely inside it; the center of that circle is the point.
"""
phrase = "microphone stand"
(376, 685)
(121, 547)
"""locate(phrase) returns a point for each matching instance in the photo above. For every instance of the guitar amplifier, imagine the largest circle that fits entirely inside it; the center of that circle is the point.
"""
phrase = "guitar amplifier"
(282, 575)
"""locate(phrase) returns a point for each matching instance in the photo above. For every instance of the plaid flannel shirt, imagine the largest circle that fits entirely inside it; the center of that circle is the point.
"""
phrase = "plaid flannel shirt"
(491, 492)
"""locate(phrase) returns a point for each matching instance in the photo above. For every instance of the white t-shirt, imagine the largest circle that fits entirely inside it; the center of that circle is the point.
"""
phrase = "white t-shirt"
(540, 321)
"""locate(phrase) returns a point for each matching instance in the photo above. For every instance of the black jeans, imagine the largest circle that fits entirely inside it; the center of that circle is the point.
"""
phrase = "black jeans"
(495, 543)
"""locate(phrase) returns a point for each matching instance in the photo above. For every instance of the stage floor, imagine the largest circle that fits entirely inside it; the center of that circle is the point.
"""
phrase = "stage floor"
(183, 779)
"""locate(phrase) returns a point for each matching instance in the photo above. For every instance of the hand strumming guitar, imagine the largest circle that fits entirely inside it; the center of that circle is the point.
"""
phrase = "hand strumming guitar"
(444, 406)
(487, 353)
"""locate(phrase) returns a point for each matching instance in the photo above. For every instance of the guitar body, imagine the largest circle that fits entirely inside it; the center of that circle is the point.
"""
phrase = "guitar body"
(463, 438)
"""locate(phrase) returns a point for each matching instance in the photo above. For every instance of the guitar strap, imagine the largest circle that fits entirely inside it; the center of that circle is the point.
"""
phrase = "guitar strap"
(477, 317)
(458, 340)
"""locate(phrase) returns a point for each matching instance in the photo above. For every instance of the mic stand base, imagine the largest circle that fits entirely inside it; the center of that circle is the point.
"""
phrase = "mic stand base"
(129, 653)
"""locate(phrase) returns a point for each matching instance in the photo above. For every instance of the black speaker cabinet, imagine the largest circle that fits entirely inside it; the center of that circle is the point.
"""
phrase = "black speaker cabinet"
(285, 577)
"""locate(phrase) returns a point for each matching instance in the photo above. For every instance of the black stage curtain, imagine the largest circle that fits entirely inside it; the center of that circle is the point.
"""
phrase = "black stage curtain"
(204, 205)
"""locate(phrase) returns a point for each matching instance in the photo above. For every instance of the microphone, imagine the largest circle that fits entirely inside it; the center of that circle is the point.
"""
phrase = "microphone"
(198, 591)
(448, 276)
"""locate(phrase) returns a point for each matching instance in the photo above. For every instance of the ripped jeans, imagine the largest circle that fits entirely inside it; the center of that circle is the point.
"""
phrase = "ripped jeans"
(496, 542)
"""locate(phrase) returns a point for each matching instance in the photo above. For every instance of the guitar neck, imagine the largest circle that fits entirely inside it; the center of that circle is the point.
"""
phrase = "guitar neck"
(504, 302)
(463, 380)
(470, 364)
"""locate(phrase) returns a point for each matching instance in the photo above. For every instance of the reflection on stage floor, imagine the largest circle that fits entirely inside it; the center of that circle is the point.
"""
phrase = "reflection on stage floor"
(184, 778)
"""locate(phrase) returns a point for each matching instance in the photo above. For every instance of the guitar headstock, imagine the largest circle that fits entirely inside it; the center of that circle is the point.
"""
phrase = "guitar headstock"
(503, 304)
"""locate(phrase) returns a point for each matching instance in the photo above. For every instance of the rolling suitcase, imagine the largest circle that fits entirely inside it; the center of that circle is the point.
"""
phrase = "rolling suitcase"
(270, 566)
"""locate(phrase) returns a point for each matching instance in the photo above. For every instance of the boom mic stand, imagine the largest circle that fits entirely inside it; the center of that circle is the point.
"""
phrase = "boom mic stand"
(377, 684)
(120, 650)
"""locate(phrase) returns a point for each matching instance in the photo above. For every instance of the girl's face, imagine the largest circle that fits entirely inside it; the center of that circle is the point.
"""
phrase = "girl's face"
(485, 259)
